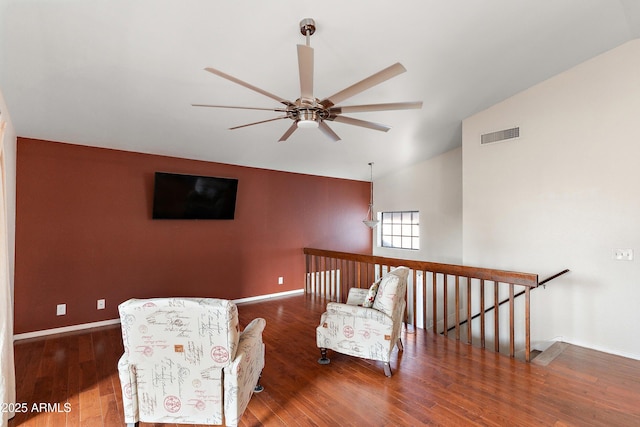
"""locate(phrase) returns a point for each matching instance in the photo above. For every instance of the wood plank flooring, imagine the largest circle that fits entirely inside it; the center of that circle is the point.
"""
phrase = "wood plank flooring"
(436, 381)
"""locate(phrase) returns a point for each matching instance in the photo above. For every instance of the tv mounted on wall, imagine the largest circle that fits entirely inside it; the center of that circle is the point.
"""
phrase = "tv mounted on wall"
(178, 196)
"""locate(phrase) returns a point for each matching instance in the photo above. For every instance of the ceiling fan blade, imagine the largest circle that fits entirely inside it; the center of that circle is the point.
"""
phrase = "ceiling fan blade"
(248, 86)
(363, 85)
(328, 131)
(362, 123)
(257, 123)
(239, 108)
(376, 107)
(289, 131)
(305, 66)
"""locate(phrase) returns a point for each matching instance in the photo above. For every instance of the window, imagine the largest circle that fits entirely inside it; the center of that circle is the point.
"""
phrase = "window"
(401, 230)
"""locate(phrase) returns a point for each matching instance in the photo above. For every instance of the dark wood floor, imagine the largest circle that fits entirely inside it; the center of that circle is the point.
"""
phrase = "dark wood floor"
(436, 381)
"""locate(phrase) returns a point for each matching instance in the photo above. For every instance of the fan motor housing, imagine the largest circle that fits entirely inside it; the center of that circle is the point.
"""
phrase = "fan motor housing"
(307, 27)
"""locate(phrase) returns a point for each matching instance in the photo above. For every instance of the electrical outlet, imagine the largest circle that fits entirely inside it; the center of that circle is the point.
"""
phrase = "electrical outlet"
(101, 304)
(623, 254)
(280, 280)
(61, 309)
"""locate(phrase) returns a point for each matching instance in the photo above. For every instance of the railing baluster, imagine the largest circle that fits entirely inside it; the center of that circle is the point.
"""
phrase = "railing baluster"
(496, 318)
(336, 285)
(482, 325)
(457, 307)
(341, 297)
(445, 308)
(366, 277)
(329, 279)
(320, 277)
(325, 277)
(469, 310)
(316, 274)
(414, 303)
(512, 348)
(352, 274)
(424, 300)
(434, 296)
(334, 279)
(527, 325)
(310, 273)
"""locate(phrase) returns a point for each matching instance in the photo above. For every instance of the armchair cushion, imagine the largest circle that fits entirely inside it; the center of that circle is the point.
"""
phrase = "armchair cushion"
(371, 295)
(387, 296)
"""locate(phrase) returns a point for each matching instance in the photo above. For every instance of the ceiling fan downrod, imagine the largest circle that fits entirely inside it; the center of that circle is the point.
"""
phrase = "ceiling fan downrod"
(307, 28)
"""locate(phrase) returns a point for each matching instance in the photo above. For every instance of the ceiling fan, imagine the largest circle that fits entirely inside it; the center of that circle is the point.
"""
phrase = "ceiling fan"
(311, 112)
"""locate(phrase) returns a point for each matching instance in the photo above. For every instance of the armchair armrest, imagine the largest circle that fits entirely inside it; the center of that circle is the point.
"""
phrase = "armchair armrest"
(252, 331)
(129, 385)
(345, 310)
(249, 346)
(243, 373)
(250, 351)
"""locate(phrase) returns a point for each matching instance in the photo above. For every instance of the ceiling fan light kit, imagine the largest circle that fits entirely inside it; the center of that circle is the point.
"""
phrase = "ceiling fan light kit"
(310, 112)
(308, 119)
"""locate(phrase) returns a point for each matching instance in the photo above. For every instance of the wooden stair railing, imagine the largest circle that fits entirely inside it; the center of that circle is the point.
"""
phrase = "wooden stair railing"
(487, 310)
(330, 274)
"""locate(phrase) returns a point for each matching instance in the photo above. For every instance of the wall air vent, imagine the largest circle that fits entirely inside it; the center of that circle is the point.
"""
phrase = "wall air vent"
(501, 135)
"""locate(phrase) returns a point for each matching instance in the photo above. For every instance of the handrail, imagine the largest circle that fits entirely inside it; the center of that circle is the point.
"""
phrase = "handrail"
(550, 278)
(504, 301)
(517, 278)
(330, 274)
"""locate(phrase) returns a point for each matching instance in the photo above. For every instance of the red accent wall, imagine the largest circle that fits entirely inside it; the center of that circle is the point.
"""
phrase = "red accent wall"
(84, 232)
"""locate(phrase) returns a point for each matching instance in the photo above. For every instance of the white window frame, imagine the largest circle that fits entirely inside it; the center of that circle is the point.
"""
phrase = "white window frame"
(399, 230)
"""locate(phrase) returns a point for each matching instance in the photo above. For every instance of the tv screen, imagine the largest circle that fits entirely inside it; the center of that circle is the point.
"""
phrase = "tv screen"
(178, 196)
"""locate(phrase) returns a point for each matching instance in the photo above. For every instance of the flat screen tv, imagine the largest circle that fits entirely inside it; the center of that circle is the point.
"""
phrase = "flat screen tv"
(178, 196)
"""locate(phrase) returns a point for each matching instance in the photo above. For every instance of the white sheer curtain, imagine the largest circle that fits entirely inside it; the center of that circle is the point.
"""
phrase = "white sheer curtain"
(7, 370)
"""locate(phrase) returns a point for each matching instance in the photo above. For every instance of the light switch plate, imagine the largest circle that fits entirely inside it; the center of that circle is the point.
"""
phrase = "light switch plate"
(623, 254)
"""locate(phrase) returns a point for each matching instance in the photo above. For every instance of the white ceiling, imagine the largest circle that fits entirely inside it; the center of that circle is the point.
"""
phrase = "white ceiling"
(123, 73)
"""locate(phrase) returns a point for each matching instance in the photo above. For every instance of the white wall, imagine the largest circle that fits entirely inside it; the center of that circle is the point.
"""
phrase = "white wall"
(9, 149)
(434, 188)
(564, 195)
(8, 193)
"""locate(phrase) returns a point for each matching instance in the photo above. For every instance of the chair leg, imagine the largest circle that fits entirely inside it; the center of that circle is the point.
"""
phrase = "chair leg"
(258, 388)
(324, 360)
(387, 369)
(400, 346)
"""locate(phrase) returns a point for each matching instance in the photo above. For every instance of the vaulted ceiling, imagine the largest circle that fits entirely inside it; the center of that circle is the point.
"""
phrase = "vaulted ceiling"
(123, 74)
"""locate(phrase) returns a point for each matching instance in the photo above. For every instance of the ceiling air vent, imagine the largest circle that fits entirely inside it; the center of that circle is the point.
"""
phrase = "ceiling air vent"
(500, 135)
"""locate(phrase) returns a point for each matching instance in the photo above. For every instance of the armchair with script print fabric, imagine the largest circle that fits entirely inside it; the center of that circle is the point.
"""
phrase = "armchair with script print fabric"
(370, 333)
(185, 361)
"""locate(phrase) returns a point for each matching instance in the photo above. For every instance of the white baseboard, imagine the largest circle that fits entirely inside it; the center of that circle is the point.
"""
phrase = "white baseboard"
(269, 296)
(65, 329)
(74, 328)
(601, 348)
